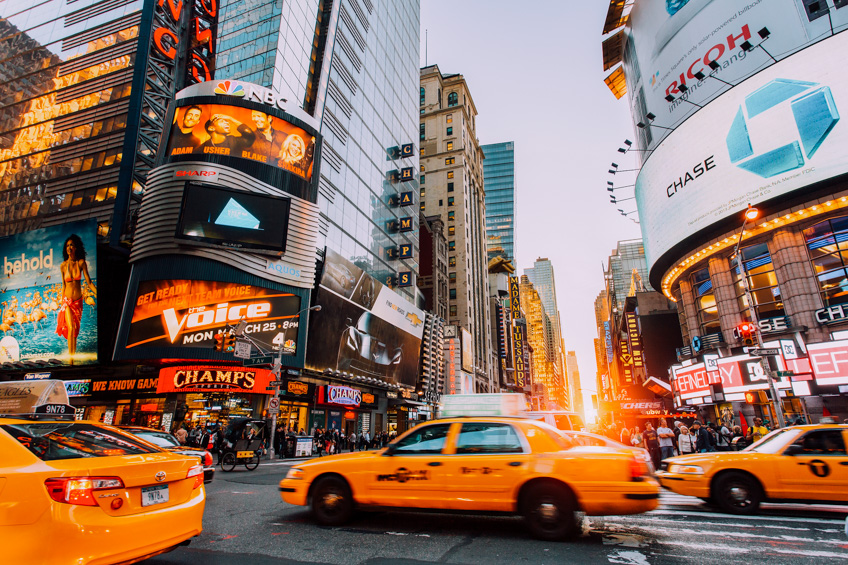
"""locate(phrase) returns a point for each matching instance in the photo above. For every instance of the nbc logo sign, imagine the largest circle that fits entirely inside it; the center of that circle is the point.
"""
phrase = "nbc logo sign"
(230, 88)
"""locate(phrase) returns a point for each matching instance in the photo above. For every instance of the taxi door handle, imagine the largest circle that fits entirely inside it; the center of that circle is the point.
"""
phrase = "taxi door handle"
(434, 464)
(844, 463)
(514, 463)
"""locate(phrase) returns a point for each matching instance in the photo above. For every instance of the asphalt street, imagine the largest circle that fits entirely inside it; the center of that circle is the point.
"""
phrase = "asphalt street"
(247, 522)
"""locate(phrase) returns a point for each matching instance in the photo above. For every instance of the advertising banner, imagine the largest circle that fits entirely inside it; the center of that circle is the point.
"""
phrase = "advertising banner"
(186, 313)
(634, 339)
(514, 298)
(778, 132)
(736, 374)
(467, 355)
(364, 327)
(669, 41)
(829, 361)
(111, 387)
(214, 379)
(48, 299)
(518, 355)
(222, 129)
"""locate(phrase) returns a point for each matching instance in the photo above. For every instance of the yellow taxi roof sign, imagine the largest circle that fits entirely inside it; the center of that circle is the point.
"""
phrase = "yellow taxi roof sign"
(483, 404)
(34, 397)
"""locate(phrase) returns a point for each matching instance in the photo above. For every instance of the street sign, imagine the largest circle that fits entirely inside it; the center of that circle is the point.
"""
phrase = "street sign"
(242, 350)
(784, 373)
(273, 406)
(277, 383)
(763, 352)
(263, 360)
(270, 388)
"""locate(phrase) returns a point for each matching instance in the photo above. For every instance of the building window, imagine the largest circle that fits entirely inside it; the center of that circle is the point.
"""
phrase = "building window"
(450, 146)
(452, 275)
(450, 174)
(422, 207)
(450, 130)
(422, 168)
(422, 95)
(451, 230)
(451, 261)
(453, 99)
(702, 288)
(423, 193)
(450, 187)
(421, 131)
(827, 243)
(441, 202)
(453, 310)
(453, 294)
(451, 245)
(451, 216)
(449, 118)
(450, 201)
(421, 179)
(762, 283)
(450, 161)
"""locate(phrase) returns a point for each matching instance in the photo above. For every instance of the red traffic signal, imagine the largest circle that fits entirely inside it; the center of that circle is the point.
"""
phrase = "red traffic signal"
(219, 342)
(751, 397)
(745, 332)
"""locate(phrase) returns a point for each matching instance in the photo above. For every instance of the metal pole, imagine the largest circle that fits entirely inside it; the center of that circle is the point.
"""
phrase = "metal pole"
(278, 375)
(775, 396)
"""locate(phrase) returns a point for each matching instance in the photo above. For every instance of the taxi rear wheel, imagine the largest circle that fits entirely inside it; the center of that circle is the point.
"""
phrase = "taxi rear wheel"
(737, 493)
(332, 502)
(550, 513)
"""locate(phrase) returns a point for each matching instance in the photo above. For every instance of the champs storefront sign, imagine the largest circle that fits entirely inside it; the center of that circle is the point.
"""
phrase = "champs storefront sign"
(214, 379)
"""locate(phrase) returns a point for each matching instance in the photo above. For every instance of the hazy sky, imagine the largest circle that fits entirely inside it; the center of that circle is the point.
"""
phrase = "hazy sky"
(535, 73)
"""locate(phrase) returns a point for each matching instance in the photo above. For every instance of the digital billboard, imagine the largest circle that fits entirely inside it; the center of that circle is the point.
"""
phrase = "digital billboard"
(668, 42)
(244, 133)
(48, 299)
(233, 218)
(776, 133)
(188, 313)
(363, 327)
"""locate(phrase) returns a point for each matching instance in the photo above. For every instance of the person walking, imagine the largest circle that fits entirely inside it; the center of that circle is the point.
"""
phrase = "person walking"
(181, 435)
(636, 437)
(702, 437)
(757, 431)
(686, 442)
(652, 444)
(625, 435)
(666, 440)
(724, 437)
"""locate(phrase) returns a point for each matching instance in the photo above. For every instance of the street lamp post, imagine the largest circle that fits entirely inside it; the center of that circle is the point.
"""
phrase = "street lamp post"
(751, 214)
(278, 374)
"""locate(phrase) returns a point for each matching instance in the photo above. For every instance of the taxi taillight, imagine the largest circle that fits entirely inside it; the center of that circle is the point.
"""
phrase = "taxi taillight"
(80, 490)
(207, 459)
(197, 472)
(638, 469)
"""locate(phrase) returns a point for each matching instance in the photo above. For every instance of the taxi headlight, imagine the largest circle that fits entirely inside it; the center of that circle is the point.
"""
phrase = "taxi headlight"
(685, 470)
(294, 473)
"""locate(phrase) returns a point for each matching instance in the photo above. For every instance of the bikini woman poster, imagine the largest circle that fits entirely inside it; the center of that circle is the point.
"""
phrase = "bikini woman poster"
(48, 295)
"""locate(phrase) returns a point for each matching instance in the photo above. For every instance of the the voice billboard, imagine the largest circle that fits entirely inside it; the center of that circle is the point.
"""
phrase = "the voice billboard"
(48, 295)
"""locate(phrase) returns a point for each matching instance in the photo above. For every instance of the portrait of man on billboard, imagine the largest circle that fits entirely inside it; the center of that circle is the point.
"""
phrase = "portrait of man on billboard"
(222, 141)
(184, 140)
(269, 141)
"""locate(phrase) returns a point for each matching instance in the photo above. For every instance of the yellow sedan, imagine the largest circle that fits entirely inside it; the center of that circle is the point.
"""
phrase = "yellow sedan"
(86, 493)
(497, 464)
(796, 464)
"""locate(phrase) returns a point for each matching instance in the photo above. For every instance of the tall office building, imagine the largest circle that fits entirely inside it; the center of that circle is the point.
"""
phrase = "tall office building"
(353, 66)
(629, 255)
(575, 389)
(452, 187)
(542, 277)
(542, 353)
(499, 182)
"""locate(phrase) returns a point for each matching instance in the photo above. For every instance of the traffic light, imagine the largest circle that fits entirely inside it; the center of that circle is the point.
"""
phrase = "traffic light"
(745, 332)
(229, 343)
(219, 342)
(751, 397)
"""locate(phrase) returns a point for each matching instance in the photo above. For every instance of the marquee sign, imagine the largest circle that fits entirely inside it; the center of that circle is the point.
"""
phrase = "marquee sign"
(341, 395)
(214, 379)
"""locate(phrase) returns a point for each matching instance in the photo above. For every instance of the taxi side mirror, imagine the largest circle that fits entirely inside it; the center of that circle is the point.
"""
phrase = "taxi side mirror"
(793, 449)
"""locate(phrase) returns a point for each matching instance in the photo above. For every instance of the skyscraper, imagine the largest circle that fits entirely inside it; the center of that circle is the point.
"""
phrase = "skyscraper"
(542, 277)
(575, 389)
(499, 182)
(452, 187)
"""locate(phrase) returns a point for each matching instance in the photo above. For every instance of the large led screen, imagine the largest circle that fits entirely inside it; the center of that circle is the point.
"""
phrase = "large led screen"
(778, 132)
(188, 313)
(233, 218)
(363, 327)
(670, 41)
(48, 298)
(231, 131)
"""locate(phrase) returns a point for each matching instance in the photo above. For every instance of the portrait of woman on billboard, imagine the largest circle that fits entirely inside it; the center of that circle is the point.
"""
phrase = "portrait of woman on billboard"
(73, 269)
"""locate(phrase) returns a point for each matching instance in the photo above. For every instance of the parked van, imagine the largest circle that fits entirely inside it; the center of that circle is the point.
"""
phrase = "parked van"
(560, 419)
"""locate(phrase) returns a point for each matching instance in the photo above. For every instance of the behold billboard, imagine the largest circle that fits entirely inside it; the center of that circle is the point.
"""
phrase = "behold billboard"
(776, 133)
(669, 42)
(48, 300)
(363, 327)
(188, 313)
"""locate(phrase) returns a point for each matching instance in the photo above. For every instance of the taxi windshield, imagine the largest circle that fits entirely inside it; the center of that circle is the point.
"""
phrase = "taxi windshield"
(51, 441)
(775, 441)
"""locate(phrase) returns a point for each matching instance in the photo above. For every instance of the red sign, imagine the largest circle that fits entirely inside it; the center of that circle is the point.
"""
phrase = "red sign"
(829, 361)
(214, 379)
(149, 407)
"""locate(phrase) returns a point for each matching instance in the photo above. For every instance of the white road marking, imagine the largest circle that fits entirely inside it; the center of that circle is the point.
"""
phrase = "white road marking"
(734, 517)
(628, 557)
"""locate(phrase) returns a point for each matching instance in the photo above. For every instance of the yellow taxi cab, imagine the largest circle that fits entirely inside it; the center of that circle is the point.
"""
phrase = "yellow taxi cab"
(87, 493)
(796, 464)
(479, 464)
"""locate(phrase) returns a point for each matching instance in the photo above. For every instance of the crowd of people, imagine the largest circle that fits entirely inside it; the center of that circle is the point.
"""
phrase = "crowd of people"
(330, 441)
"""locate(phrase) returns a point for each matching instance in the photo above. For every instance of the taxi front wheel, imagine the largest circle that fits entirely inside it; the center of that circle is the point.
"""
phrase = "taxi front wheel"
(737, 493)
(332, 502)
(550, 513)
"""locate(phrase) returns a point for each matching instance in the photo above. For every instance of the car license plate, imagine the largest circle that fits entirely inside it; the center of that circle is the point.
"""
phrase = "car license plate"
(154, 495)
(245, 454)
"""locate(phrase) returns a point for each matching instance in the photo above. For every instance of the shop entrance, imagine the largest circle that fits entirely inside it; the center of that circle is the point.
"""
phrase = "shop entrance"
(349, 423)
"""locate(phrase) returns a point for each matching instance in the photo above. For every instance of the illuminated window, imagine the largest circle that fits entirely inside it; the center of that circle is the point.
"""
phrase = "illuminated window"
(449, 118)
(827, 243)
(705, 301)
(451, 216)
(453, 99)
(451, 261)
(451, 245)
(451, 230)
(450, 146)
(450, 200)
(450, 130)
(450, 174)
(452, 275)
(450, 160)
(422, 206)
(422, 168)
(762, 283)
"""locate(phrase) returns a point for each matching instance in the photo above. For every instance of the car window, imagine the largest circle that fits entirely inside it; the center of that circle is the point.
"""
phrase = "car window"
(585, 439)
(822, 443)
(161, 439)
(59, 440)
(775, 441)
(576, 422)
(562, 422)
(488, 437)
(423, 440)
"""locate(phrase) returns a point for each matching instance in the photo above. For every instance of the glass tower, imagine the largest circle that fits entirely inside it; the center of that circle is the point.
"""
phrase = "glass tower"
(354, 66)
(499, 182)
